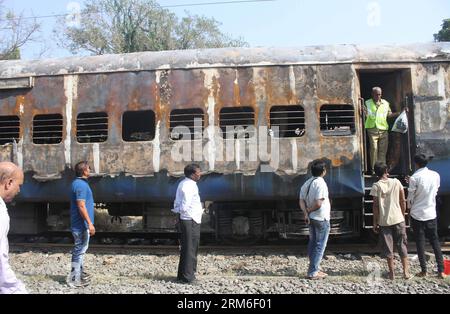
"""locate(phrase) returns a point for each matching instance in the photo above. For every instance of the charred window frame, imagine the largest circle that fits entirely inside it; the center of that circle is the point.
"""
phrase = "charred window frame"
(183, 119)
(92, 127)
(290, 121)
(138, 126)
(48, 129)
(337, 120)
(237, 118)
(9, 129)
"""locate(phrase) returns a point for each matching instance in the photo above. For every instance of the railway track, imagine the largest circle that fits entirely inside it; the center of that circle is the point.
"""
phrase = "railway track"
(213, 249)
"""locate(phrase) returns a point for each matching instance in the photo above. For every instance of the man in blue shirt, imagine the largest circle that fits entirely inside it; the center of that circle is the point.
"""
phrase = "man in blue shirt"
(82, 222)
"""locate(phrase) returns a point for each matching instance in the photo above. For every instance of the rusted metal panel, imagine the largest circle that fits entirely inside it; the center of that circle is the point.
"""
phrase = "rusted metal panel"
(45, 98)
(236, 88)
(335, 84)
(6, 153)
(187, 90)
(227, 58)
(116, 94)
(120, 92)
(433, 102)
(16, 83)
(432, 119)
(212, 80)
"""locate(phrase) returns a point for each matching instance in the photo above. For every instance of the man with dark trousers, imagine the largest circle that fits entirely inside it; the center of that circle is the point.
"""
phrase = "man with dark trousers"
(422, 191)
(189, 210)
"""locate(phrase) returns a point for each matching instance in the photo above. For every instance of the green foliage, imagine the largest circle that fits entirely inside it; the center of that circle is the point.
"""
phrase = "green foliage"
(14, 55)
(15, 32)
(444, 33)
(123, 26)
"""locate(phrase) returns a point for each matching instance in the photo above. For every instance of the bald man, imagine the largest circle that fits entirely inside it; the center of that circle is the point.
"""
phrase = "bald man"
(11, 178)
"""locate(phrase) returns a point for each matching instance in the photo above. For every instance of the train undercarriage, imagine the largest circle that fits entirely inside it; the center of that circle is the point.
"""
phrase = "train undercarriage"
(224, 221)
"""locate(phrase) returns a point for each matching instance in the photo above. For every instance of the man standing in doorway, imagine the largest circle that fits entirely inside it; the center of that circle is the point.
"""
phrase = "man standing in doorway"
(189, 211)
(422, 191)
(377, 111)
(11, 178)
(316, 207)
(82, 221)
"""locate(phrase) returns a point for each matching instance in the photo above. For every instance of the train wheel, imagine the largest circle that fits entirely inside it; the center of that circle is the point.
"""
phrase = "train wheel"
(242, 229)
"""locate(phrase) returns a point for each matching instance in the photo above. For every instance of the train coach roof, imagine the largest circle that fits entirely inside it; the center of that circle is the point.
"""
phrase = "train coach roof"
(227, 57)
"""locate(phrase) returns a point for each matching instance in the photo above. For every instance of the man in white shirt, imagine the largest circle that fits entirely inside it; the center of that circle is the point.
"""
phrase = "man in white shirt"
(422, 191)
(189, 209)
(315, 203)
(11, 178)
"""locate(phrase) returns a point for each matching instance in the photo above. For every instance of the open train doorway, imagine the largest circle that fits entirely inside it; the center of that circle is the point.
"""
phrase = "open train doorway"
(396, 88)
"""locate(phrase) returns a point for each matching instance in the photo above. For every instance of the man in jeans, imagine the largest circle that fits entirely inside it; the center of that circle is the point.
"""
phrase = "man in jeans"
(422, 191)
(389, 206)
(82, 221)
(316, 207)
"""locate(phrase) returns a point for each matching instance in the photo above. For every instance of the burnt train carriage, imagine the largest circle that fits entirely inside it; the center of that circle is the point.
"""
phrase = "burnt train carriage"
(124, 113)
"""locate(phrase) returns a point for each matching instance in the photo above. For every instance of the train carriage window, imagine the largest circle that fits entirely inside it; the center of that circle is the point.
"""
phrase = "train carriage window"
(92, 127)
(290, 121)
(337, 120)
(48, 129)
(9, 129)
(184, 123)
(235, 120)
(138, 126)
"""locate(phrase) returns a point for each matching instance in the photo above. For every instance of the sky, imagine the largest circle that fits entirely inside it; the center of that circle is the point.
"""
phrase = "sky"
(283, 23)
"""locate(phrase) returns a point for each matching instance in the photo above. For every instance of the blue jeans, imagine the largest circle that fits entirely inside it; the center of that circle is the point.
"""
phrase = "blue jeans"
(318, 237)
(81, 246)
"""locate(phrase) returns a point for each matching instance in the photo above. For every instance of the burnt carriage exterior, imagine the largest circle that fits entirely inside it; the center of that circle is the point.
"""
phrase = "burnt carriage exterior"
(119, 112)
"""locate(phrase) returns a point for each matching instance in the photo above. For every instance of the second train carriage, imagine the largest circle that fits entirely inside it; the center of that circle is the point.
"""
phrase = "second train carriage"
(140, 118)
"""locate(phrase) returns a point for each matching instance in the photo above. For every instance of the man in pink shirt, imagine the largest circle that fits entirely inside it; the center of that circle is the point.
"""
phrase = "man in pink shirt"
(11, 178)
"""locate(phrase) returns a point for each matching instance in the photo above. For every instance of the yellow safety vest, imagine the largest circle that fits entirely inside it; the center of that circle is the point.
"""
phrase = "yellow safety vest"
(377, 117)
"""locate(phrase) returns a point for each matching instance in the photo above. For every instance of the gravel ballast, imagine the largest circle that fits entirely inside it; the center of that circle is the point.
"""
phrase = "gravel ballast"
(46, 272)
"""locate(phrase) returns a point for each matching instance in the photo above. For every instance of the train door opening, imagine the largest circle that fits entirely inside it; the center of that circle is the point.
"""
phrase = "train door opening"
(396, 86)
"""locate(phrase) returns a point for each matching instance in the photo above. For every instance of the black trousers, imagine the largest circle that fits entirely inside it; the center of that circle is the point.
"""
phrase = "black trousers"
(427, 229)
(190, 240)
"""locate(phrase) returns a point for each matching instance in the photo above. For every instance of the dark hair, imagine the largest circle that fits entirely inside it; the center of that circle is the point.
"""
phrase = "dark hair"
(421, 160)
(380, 169)
(318, 167)
(190, 170)
(80, 168)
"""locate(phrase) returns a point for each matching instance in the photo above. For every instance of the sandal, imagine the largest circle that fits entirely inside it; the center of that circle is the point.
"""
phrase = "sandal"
(318, 276)
(323, 274)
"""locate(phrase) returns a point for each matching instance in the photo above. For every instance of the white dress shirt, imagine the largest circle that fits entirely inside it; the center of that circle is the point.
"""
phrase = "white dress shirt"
(318, 190)
(422, 191)
(9, 284)
(187, 202)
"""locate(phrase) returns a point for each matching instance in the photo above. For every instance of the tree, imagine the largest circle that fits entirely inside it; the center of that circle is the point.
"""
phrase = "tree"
(444, 33)
(122, 26)
(15, 32)
(194, 32)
